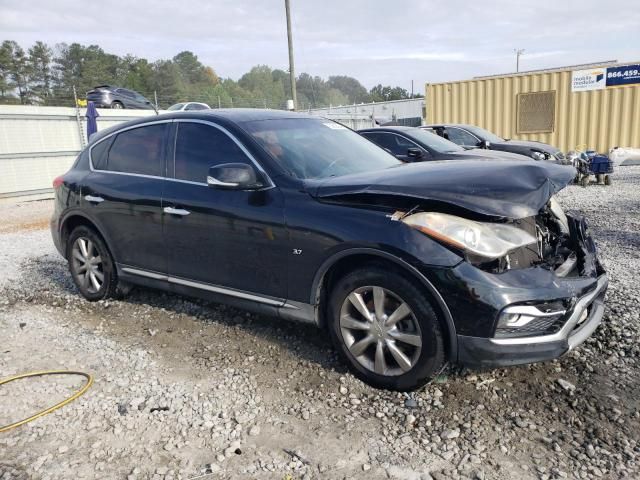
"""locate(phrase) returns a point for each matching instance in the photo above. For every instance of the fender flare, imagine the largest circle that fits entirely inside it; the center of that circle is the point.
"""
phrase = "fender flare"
(328, 263)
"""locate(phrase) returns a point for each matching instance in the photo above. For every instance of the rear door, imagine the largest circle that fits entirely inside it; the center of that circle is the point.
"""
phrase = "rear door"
(222, 238)
(123, 194)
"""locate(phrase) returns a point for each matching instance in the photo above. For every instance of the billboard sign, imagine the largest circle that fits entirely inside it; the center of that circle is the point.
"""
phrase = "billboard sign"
(585, 80)
(624, 75)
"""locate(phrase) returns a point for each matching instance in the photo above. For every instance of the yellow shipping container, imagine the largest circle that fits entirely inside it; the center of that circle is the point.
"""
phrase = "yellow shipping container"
(542, 106)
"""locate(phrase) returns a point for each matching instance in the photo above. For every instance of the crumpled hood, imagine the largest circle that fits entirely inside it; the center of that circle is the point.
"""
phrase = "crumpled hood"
(500, 188)
(543, 147)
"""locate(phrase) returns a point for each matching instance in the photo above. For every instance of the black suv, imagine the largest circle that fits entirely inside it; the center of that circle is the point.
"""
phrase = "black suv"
(470, 136)
(407, 265)
(106, 96)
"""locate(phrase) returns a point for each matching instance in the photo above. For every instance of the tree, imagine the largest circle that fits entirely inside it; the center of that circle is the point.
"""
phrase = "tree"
(349, 86)
(386, 93)
(49, 76)
(19, 70)
(167, 82)
(135, 73)
(191, 70)
(5, 69)
(40, 56)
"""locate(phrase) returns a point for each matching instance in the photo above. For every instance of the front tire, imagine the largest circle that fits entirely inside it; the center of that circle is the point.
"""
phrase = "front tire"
(117, 105)
(91, 264)
(386, 329)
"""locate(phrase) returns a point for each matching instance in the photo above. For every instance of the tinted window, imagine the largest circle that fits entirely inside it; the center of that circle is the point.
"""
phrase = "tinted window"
(459, 136)
(394, 143)
(138, 151)
(434, 142)
(199, 147)
(383, 140)
(99, 154)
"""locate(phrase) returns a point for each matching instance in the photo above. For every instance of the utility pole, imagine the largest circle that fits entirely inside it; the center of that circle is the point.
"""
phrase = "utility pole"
(518, 52)
(292, 74)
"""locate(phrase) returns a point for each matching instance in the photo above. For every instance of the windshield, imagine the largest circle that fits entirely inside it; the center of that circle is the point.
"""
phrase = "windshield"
(483, 134)
(177, 106)
(310, 148)
(434, 141)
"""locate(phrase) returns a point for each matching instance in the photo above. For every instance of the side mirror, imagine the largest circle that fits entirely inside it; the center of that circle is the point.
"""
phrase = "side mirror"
(484, 144)
(233, 176)
(414, 153)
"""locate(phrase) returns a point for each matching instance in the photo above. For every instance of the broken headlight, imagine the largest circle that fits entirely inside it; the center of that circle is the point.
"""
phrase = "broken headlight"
(486, 240)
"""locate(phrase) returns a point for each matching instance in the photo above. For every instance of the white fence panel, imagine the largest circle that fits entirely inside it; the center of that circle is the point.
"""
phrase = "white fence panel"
(39, 143)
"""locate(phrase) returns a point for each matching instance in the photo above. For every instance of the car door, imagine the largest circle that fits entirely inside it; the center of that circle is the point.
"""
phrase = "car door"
(461, 137)
(141, 102)
(129, 98)
(123, 194)
(216, 238)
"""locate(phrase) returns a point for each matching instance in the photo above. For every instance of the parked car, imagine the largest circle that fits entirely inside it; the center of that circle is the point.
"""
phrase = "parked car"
(187, 106)
(411, 144)
(406, 265)
(470, 136)
(107, 96)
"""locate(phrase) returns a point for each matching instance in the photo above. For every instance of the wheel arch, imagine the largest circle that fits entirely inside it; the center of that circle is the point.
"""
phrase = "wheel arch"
(348, 260)
(76, 219)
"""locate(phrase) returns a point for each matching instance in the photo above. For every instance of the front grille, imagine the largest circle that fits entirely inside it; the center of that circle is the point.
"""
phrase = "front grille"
(539, 326)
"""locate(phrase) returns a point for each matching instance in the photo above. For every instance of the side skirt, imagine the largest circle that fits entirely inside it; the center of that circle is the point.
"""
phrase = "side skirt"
(263, 305)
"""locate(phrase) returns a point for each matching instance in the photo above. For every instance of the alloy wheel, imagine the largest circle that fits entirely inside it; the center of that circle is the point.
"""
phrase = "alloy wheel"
(380, 330)
(87, 265)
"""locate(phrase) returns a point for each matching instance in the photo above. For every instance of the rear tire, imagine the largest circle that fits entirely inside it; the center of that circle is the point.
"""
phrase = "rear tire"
(91, 264)
(585, 181)
(607, 180)
(117, 105)
(386, 349)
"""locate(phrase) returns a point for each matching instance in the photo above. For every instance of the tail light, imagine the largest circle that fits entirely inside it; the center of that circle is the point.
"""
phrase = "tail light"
(58, 181)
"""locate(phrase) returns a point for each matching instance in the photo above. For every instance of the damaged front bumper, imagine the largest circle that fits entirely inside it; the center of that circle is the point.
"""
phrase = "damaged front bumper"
(584, 318)
(551, 310)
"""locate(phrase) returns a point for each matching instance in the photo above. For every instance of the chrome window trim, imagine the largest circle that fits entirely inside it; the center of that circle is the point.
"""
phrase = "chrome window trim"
(276, 302)
(166, 177)
(270, 183)
(125, 129)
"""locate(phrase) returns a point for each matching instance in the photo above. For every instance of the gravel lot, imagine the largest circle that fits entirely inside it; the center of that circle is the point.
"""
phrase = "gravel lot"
(190, 389)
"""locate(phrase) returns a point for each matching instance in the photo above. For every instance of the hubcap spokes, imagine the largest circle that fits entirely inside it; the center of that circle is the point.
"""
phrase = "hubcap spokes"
(87, 265)
(380, 331)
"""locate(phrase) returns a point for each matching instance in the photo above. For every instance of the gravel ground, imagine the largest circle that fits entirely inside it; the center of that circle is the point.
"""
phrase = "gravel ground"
(191, 389)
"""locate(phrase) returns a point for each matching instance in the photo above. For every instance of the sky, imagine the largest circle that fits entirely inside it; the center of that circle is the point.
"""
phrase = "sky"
(376, 41)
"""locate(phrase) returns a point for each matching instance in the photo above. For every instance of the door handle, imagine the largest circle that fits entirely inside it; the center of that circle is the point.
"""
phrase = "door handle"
(176, 211)
(92, 199)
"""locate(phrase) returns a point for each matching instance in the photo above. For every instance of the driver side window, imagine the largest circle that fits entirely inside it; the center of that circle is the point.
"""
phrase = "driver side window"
(199, 147)
(461, 137)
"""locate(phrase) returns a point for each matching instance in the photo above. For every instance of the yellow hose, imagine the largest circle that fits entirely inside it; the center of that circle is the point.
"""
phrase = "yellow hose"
(86, 386)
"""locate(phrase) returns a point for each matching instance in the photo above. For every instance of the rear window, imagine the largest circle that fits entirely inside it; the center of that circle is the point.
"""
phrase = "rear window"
(140, 151)
(99, 154)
